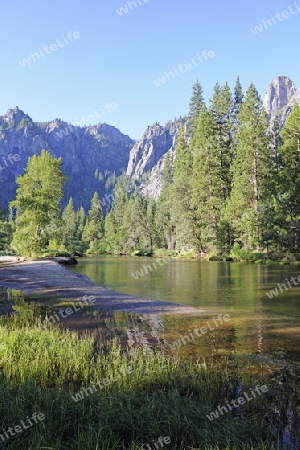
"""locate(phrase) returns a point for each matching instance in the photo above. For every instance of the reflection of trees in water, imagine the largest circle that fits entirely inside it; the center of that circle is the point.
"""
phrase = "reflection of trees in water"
(145, 330)
(15, 308)
(260, 336)
(8, 298)
(152, 326)
(7, 294)
(284, 410)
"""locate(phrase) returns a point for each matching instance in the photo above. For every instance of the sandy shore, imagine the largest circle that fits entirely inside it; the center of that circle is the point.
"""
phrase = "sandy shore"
(48, 279)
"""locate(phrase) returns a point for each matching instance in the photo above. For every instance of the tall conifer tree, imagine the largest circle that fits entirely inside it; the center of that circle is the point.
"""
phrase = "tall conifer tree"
(251, 170)
(195, 105)
(182, 192)
(164, 216)
(289, 180)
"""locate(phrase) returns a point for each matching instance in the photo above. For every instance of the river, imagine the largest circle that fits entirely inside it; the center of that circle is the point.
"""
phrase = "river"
(260, 327)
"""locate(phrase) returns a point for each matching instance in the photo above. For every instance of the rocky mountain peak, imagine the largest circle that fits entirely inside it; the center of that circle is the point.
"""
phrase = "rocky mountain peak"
(91, 155)
(15, 117)
(148, 153)
(279, 94)
(110, 131)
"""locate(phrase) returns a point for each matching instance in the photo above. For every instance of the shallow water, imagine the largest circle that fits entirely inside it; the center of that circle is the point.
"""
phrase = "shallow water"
(260, 337)
(259, 325)
(259, 328)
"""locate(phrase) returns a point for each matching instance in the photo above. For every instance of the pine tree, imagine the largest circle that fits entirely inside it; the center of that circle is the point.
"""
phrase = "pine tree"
(164, 221)
(251, 171)
(115, 232)
(139, 223)
(81, 220)
(195, 105)
(289, 180)
(69, 228)
(182, 212)
(131, 231)
(93, 233)
(276, 143)
(221, 110)
(221, 113)
(238, 97)
(208, 183)
(5, 232)
(111, 230)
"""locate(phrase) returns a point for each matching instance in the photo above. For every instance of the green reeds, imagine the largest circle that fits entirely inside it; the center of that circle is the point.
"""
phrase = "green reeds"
(42, 370)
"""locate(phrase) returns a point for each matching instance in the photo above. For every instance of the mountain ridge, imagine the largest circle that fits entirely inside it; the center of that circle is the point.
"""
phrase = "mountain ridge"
(95, 155)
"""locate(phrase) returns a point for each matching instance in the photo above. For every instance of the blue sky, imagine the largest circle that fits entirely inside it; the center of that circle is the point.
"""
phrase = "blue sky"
(117, 57)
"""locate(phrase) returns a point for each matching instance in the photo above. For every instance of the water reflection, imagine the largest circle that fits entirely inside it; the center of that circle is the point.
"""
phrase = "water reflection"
(7, 298)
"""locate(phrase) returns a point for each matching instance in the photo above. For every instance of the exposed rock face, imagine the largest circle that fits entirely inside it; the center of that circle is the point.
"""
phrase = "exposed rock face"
(86, 152)
(280, 96)
(147, 155)
(151, 148)
(153, 186)
(286, 111)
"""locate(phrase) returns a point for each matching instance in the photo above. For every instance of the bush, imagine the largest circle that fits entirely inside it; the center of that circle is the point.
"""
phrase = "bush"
(240, 253)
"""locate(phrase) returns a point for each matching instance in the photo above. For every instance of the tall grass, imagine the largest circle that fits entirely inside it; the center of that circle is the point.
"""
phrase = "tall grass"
(41, 370)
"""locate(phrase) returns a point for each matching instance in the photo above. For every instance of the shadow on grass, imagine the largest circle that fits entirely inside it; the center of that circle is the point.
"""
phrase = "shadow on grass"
(91, 400)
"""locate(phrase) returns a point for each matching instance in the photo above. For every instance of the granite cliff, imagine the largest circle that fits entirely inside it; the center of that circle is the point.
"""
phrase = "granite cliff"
(280, 96)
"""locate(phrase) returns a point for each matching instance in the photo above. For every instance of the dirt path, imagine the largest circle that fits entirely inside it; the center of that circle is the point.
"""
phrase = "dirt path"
(48, 279)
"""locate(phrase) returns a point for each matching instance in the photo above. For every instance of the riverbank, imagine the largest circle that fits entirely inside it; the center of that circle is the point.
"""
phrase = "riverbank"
(236, 255)
(46, 279)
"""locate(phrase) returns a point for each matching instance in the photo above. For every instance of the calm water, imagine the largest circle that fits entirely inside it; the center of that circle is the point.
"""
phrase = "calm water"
(259, 326)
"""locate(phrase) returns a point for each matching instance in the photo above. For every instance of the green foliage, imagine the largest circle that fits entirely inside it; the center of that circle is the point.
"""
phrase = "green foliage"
(251, 171)
(164, 218)
(238, 97)
(195, 106)
(37, 203)
(183, 212)
(289, 180)
(93, 232)
(240, 254)
(6, 231)
(69, 228)
(152, 394)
